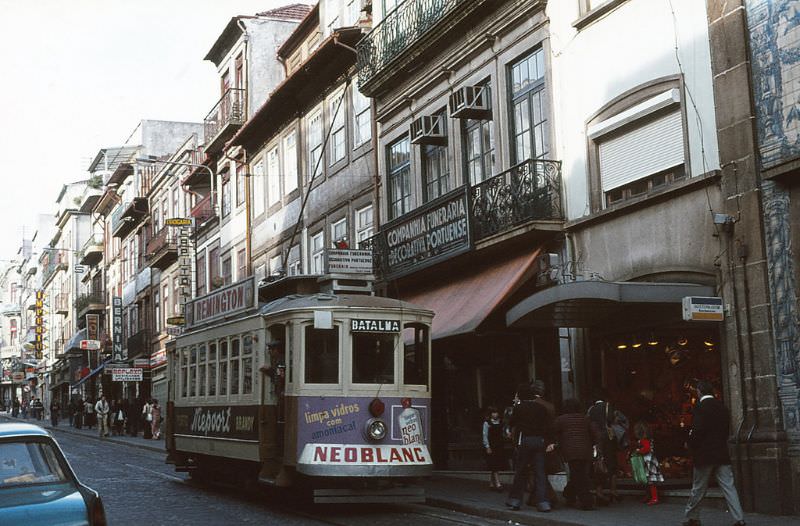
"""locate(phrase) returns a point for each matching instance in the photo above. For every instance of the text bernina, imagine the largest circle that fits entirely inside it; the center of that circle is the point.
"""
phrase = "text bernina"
(374, 326)
(369, 455)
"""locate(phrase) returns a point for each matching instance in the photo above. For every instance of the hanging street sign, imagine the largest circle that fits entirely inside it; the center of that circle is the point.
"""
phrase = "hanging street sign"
(178, 221)
(698, 308)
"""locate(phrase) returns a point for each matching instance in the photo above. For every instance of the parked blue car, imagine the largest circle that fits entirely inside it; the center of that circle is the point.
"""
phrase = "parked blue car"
(37, 484)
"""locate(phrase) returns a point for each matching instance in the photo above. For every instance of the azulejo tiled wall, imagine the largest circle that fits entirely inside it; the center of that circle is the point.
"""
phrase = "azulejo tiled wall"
(774, 27)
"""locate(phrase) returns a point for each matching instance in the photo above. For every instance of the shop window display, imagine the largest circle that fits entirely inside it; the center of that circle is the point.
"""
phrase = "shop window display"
(650, 378)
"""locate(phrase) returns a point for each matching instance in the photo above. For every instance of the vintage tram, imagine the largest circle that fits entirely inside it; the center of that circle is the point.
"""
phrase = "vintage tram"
(310, 382)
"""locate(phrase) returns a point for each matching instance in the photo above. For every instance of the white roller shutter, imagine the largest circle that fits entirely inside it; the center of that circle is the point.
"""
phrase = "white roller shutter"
(645, 150)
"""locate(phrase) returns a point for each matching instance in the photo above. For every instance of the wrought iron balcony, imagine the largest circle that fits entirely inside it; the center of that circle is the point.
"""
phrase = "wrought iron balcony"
(127, 215)
(225, 117)
(92, 251)
(162, 248)
(91, 302)
(203, 211)
(56, 260)
(526, 192)
(139, 344)
(408, 30)
(61, 303)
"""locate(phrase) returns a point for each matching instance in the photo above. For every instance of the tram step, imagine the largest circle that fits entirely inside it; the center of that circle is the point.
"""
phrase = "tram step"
(408, 494)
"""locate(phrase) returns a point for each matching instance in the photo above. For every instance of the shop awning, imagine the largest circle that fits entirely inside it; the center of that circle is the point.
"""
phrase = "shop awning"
(598, 303)
(74, 343)
(58, 385)
(91, 373)
(462, 304)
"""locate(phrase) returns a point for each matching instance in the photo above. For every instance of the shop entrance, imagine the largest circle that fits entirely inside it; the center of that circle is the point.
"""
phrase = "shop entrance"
(649, 376)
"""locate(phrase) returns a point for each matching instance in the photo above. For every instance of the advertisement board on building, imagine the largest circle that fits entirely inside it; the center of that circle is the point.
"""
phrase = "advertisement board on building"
(158, 358)
(116, 321)
(92, 326)
(434, 232)
(222, 302)
(348, 261)
(126, 374)
(18, 377)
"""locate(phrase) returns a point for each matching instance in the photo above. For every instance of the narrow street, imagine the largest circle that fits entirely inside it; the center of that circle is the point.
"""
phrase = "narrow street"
(137, 488)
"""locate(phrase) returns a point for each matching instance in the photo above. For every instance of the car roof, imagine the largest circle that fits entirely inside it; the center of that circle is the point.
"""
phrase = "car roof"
(20, 429)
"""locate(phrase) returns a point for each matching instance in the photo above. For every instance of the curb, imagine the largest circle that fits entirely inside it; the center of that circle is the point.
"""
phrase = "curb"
(541, 519)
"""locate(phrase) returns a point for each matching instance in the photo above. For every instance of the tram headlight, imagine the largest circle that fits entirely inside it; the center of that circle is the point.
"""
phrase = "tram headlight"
(375, 429)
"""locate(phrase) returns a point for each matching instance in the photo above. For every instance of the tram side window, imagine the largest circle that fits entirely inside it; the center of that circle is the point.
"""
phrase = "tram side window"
(184, 367)
(212, 369)
(201, 370)
(235, 344)
(223, 367)
(192, 372)
(322, 356)
(415, 354)
(247, 364)
(373, 358)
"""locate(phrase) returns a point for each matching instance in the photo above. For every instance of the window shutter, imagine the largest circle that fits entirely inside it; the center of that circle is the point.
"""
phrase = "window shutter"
(645, 150)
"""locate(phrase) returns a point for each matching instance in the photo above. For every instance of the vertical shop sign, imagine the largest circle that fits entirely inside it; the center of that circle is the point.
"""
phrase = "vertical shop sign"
(92, 326)
(116, 319)
(185, 266)
(39, 330)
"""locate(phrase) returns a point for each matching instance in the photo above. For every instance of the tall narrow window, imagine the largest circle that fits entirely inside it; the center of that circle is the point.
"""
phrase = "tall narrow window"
(258, 198)
(235, 361)
(201, 370)
(212, 369)
(314, 142)
(225, 200)
(223, 367)
(247, 364)
(317, 252)
(273, 177)
(227, 271)
(157, 309)
(362, 130)
(399, 184)
(201, 275)
(241, 262)
(213, 267)
(364, 224)
(338, 138)
(294, 263)
(241, 181)
(529, 108)
(435, 168)
(290, 182)
(339, 233)
(322, 356)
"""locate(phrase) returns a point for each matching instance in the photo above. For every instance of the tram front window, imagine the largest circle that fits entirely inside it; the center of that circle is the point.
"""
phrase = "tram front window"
(415, 355)
(373, 358)
(322, 356)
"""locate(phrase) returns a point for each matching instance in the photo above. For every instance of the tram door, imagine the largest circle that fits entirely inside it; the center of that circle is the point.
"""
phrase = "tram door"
(273, 394)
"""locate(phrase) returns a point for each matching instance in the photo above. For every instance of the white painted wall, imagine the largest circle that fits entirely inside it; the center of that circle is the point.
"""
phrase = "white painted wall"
(630, 46)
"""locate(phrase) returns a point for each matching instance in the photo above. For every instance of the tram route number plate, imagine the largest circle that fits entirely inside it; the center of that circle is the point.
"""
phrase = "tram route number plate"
(410, 426)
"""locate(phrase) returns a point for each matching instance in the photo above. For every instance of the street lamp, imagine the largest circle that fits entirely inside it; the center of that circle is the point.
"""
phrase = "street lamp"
(147, 160)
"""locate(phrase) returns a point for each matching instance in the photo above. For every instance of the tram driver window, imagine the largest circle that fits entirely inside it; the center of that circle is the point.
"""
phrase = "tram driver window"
(322, 356)
(373, 358)
(415, 354)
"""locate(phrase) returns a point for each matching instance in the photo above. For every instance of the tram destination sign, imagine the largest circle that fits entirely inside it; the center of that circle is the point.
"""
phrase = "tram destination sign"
(374, 326)
(435, 232)
(221, 303)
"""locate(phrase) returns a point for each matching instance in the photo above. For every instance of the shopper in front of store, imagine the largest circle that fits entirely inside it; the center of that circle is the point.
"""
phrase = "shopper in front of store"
(602, 414)
(575, 436)
(708, 444)
(532, 424)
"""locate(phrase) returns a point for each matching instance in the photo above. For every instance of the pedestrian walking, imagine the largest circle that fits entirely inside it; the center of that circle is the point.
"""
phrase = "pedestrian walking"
(102, 410)
(135, 416)
(79, 408)
(147, 419)
(156, 423)
(38, 408)
(602, 413)
(118, 416)
(575, 436)
(55, 407)
(533, 426)
(646, 448)
(15, 405)
(88, 416)
(493, 446)
(708, 445)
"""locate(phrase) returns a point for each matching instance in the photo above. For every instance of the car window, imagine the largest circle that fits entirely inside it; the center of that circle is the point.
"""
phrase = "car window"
(24, 463)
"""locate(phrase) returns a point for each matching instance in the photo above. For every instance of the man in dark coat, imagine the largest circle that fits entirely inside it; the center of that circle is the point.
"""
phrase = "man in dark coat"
(533, 424)
(708, 444)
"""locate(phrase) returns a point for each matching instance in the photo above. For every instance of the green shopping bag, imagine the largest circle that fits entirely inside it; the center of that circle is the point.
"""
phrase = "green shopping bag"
(639, 471)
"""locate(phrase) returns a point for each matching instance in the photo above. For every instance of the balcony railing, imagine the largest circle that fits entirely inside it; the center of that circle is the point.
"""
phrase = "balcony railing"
(94, 301)
(56, 260)
(127, 215)
(526, 192)
(229, 110)
(162, 248)
(139, 344)
(202, 211)
(61, 303)
(401, 29)
(92, 251)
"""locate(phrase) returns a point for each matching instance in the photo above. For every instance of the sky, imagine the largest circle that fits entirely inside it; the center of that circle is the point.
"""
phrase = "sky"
(80, 74)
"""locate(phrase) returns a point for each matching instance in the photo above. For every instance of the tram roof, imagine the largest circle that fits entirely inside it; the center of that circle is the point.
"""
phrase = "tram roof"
(320, 300)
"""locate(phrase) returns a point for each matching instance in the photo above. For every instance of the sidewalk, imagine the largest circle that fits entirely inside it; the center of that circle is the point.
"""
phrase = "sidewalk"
(474, 498)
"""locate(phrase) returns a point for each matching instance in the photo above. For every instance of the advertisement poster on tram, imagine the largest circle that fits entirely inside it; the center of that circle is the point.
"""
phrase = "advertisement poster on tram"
(228, 421)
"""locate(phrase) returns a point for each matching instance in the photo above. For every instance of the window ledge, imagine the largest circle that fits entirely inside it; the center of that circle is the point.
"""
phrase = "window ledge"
(598, 12)
(632, 205)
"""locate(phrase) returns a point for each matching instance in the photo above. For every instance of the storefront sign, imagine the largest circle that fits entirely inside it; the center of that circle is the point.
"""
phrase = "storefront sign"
(432, 233)
(93, 326)
(374, 326)
(221, 303)
(343, 261)
(176, 320)
(39, 327)
(360, 455)
(17, 378)
(90, 345)
(185, 266)
(236, 421)
(698, 308)
(158, 358)
(127, 374)
(178, 221)
(116, 320)
(142, 363)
